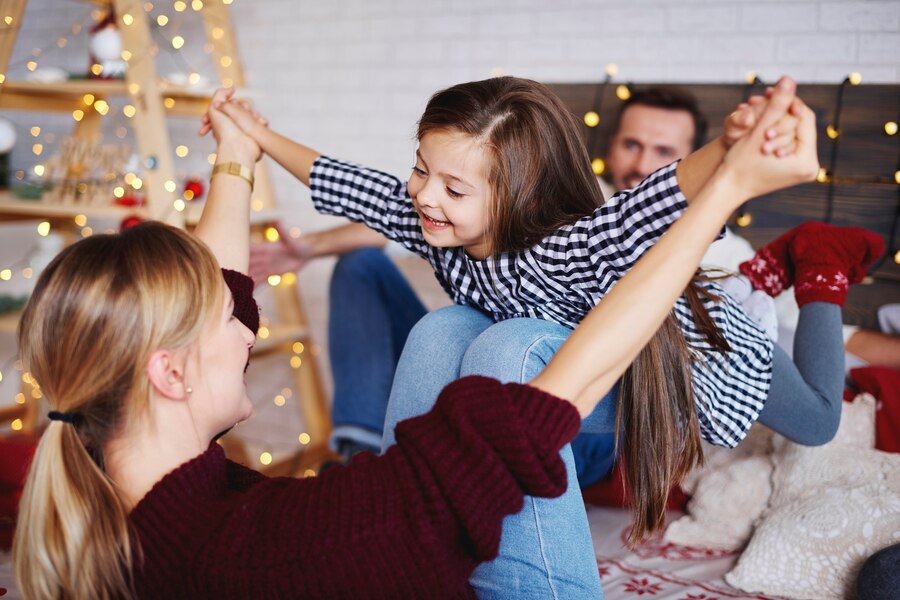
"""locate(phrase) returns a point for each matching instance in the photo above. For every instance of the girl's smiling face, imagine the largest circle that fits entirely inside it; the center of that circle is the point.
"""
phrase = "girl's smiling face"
(450, 191)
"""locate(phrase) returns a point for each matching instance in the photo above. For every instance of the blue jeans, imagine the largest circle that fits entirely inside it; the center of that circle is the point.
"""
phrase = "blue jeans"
(545, 549)
(371, 311)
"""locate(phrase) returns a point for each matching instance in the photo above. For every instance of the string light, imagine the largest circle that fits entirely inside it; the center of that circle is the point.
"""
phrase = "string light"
(744, 219)
(218, 33)
(289, 279)
(31, 65)
(279, 400)
(598, 166)
(897, 257)
(296, 362)
(37, 149)
(43, 228)
(181, 151)
(197, 5)
(80, 220)
(27, 272)
(16, 425)
(39, 170)
(591, 118)
(274, 280)
(6, 274)
(138, 183)
(96, 69)
(8, 20)
(612, 69)
(177, 42)
(263, 332)
(271, 234)
(890, 128)
(162, 20)
(129, 111)
(62, 41)
(265, 458)
(126, 55)
(86, 232)
(304, 438)
(822, 175)
(854, 78)
(118, 191)
(169, 102)
(20, 398)
(179, 6)
(297, 348)
(832, 132)
(295, 232)
(101, 107)
(127, 19)
(225, 61)
(623, 92)
(179, 205)
(169, 186)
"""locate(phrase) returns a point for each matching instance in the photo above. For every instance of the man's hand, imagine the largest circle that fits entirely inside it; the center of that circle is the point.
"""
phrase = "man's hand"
(284, 256)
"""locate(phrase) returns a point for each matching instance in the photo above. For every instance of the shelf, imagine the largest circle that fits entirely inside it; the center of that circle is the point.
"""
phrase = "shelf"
(14, 207)
(66, 96)
(9, 321)
(278, 335)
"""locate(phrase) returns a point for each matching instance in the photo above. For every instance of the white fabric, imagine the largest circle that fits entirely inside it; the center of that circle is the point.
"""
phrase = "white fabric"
(831, 507)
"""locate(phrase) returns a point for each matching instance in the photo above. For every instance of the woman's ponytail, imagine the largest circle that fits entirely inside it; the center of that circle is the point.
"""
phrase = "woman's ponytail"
(72, 531)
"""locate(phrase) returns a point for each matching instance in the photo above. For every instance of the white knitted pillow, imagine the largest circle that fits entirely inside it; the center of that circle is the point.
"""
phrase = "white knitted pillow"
(727, 494)
(831, 507)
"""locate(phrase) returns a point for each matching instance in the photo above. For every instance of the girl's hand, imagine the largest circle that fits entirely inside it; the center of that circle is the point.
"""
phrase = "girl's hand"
(779, 138)
(233, 143)
(753, 170)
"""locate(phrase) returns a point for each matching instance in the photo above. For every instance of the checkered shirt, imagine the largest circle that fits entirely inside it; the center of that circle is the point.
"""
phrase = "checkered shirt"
(564, 276)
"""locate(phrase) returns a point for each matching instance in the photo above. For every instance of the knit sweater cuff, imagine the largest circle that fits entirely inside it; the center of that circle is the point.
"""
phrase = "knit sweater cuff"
(489, 444)
(245, 307)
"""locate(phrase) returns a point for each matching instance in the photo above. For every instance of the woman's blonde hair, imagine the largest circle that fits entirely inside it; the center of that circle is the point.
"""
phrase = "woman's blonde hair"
(98, 312)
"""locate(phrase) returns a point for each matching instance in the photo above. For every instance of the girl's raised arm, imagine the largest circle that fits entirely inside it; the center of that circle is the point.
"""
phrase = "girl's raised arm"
(612, 334)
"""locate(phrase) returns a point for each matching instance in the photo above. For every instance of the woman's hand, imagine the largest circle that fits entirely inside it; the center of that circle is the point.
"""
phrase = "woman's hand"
(233, 143)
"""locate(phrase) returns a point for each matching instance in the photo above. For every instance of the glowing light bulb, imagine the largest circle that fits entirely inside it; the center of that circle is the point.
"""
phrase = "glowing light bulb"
(37, 149)
(39, 170)
(80, 220)
(599, 166)
(179, 6)
(225, 61)
(181, 151)
(591, 119)
(304, 438)
(854, 78)
(86, 232)
(279, 400)
(43, 228)
(296, 362)
(169, 185)
(832, 132)
(265, 458)
(297, 347)
(179, 205)
(750, 77)
(623, 92)
(271, 234)
(169, 102)
(274, 280)
(822, 175)
(162, 20)
(6, 274)
(890, 128)
(612, 69)
(177, 42)
(35, 131)
(16, 425)
(744, 220)
(127, 19)
(129, 111)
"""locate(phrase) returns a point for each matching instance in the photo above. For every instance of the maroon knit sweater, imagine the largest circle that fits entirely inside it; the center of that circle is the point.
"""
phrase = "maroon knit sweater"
(413, 523)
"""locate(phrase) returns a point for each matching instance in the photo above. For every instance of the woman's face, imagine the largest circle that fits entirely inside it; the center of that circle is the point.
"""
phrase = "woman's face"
(450, 191)
(219, 397)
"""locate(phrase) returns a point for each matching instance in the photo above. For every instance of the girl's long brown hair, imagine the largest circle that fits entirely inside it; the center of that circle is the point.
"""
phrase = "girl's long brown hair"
(541, 180)
(98, 311)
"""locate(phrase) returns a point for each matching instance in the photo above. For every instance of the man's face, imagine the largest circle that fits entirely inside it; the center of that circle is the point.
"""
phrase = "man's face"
(648, 139)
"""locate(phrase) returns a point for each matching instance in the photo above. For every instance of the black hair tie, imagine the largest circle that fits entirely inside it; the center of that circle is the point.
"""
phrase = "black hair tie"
(66, 417)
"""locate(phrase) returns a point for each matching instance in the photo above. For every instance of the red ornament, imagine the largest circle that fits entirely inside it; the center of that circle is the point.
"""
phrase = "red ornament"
(129, 222)
(193, 189)
(130, 200)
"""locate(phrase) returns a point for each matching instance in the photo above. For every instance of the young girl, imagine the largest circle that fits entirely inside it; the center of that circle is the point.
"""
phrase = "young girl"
(136, 345)
(503, 204)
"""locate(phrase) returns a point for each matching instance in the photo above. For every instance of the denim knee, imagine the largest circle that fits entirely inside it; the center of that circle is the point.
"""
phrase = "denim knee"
(514, 350)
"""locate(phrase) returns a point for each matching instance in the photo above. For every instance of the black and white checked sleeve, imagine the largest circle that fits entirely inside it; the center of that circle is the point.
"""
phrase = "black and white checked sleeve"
(367, 196)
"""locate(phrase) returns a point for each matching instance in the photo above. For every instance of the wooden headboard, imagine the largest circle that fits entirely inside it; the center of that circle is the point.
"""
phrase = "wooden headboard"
(861, 163)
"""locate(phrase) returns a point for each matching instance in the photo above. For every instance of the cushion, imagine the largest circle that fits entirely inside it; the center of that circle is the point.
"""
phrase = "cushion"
(727, 494)
(831, 507)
